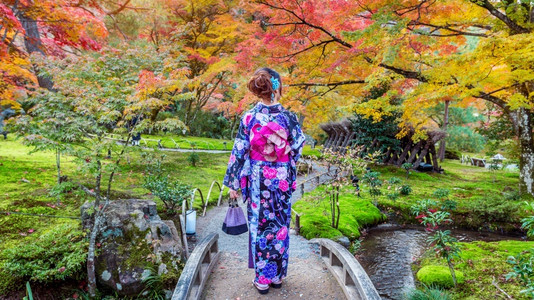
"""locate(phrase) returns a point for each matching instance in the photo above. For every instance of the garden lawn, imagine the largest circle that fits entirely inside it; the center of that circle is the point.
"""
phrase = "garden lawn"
(356, 213)
(485, 200)
(481, 263)
(187, 142)
(26, 180)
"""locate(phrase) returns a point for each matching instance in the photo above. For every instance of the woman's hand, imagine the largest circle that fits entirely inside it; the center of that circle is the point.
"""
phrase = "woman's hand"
(233, 194)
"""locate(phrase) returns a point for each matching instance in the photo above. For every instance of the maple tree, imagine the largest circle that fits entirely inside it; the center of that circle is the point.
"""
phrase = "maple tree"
(427, 51)
(206, 32)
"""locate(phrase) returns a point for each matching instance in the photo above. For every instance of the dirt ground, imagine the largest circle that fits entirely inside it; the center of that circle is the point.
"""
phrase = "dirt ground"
(307, 278)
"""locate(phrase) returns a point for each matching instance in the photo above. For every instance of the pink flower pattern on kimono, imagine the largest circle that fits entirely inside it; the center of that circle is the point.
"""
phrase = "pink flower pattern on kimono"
(269, 142)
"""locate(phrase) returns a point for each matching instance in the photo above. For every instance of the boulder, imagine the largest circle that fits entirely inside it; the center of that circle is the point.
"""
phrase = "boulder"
(343, 241)
(133, 243)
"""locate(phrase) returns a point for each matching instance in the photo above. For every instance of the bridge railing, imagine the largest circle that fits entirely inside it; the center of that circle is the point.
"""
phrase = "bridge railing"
(350, 275)
(197, 269)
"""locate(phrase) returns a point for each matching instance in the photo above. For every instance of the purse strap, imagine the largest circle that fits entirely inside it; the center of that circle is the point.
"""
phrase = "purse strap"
(233, 203)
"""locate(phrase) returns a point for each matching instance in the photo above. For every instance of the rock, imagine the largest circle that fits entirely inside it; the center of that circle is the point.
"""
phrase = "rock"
(512, 167)
(134, 242)
(344, 241)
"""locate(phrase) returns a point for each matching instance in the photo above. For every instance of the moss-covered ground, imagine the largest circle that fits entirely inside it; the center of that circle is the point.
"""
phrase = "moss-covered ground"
(316, 219)
(482, 264)
(26, 180)
(485, 200)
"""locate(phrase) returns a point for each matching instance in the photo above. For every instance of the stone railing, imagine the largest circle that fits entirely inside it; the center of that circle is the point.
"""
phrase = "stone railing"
(197, 269)
(347, 271)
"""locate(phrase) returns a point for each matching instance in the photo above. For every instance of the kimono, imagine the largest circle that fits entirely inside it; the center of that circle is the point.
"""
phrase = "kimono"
(263, 164)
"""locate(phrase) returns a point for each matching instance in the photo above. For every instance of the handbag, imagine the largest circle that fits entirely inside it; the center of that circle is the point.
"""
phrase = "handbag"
(235, 222)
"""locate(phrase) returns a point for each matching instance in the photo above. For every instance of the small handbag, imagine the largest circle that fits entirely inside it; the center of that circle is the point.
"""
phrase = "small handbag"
(235, 222)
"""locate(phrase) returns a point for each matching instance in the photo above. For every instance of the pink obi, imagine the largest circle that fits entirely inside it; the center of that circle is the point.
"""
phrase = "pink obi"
(269, 143)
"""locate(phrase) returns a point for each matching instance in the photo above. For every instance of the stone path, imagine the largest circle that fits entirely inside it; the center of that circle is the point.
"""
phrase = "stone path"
(308, 277)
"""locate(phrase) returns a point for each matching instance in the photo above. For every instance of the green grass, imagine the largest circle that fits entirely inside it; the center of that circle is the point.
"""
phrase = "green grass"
(316, 219)
(187, 142)
(481, 263)
(308, 151)
(482, 202)
(26, 179)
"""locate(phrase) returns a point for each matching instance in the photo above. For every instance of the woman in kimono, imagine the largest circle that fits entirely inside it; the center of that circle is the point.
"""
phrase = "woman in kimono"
(263, 165)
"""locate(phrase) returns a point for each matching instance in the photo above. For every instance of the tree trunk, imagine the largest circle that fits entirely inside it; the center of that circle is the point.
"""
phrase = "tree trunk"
(91, 276)
(58, 167)
(526, 142)
(453, 274)
(444, 128)
(33, 43)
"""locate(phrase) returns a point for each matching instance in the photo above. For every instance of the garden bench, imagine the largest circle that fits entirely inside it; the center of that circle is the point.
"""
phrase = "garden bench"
(478, 162)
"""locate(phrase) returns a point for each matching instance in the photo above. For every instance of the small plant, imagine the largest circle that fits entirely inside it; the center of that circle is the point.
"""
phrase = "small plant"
(449, 205)
(441, 194)
(442, 242)
(346, 163)
(523, 269)
(393, 196)
(334, 204)
(393, 183)
(493, 167)
(171, 193)
(355, 247)
(372, 180)
(427, 293)
(405, 190)
(154, 286)
(523, 263)
(193, 159)
(512, 195)
(407, 167)
(422, 206)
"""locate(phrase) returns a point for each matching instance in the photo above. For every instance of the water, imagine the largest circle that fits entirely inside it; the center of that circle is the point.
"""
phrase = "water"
(389, 250)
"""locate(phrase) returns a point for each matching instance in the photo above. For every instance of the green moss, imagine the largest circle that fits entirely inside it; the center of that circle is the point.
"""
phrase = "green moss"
(439, 276)
(482, 263)
(355, 213)
(134, 248)
(481, 203)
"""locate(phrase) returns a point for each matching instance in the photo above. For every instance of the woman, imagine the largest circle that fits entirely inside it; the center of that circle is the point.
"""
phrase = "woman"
(263, 165)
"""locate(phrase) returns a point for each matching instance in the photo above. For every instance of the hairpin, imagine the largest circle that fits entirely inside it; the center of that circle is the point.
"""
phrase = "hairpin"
(276, 85)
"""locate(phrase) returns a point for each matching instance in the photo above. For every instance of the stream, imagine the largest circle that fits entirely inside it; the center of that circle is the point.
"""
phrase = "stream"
(388, 251)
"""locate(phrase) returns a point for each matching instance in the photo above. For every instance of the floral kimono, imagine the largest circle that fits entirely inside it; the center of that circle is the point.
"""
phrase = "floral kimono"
(263, 165)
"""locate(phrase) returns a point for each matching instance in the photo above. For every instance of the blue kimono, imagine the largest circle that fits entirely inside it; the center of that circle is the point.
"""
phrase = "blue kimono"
(263, 164)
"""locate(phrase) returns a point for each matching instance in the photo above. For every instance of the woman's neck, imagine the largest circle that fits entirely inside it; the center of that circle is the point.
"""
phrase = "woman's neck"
(268, 102)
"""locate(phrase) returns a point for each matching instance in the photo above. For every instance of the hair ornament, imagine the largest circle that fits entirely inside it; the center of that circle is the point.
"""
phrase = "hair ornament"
(276, 85)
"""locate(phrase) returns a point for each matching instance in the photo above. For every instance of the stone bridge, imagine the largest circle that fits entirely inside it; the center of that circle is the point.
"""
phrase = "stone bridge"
(318, 269)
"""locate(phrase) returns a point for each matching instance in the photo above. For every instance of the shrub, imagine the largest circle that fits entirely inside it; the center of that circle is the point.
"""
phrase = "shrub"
(441, 193)
(523, 270)
(449, 205)
(492, 209)
(58, 254)
(394, 180)
(438, 276)
(427, 293)
(373, 182)
(405, 190)
(193, 159)
(171, 193)
(393, 196)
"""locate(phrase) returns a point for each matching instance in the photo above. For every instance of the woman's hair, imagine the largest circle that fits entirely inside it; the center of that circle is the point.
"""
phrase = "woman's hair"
(260, 83)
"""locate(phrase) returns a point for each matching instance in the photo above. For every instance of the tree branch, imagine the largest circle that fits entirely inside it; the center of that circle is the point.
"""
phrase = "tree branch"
(329, 84)
(503, 17)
